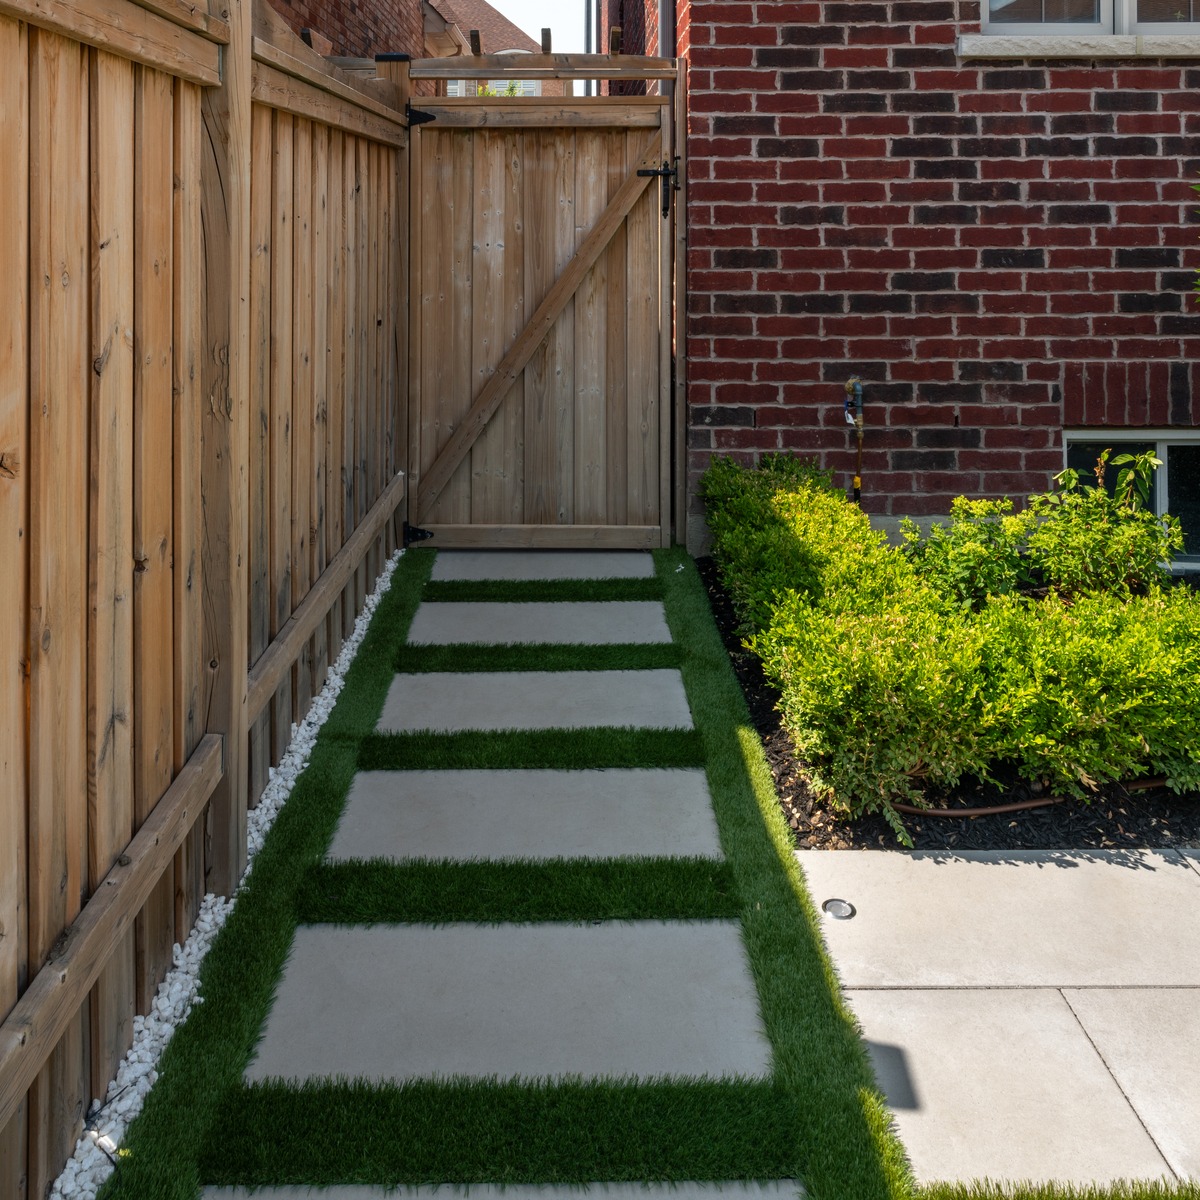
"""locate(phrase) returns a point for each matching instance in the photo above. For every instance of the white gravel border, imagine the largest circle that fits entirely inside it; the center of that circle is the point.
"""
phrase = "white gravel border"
(104, 1128)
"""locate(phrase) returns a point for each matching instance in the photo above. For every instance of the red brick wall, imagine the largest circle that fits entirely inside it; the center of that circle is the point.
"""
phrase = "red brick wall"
(995, 247)
(638, 21)
(360, 28)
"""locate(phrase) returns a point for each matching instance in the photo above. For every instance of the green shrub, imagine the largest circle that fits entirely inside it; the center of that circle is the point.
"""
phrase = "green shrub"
(1085, 541)
(901, 669)
(1096, 691)
(980, 553)
(881, 704)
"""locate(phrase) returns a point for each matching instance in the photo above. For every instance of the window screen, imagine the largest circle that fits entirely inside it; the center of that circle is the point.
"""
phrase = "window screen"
(1183, 499)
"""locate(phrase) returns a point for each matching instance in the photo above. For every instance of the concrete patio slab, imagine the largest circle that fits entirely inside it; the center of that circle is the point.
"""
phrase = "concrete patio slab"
(1003, 1084)
(527, 814)
(1150, 1041)
(572, 622)
(453, 702)
(543, 564)
(620, 999)
(737, 1189)
(1002, 919)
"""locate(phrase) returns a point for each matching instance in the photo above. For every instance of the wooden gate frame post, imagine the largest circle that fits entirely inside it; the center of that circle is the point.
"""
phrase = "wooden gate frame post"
(225, 389)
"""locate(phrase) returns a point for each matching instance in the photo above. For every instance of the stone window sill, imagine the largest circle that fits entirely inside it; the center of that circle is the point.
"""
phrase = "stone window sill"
(1094, 45)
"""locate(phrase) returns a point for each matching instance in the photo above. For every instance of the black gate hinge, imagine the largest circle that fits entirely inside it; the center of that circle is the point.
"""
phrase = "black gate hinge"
(415, 116)
(413, 534)
(669, 175)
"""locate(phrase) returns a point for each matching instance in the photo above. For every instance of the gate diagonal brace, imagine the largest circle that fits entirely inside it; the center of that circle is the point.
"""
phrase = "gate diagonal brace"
(668, 174)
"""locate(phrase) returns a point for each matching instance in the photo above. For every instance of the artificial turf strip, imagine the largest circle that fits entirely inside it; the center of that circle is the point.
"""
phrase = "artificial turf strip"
(542, 590)
(841, 1145)
(467, 656)
(478, 1131)
(562, 749)
(379, 891)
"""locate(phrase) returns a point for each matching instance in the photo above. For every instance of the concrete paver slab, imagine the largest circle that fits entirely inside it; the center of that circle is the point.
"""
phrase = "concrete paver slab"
(536, 700)
(620, 999)
(1002, 1083)
(543, 564)
(572, 622)
(1150, 1040)
(738, 1189)
(1020, 918)
(527, 814)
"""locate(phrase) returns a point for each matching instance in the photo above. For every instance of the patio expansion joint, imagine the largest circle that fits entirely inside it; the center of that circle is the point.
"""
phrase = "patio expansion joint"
(1117, 1084)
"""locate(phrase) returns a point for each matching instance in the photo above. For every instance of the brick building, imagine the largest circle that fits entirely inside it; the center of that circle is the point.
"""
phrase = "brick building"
(985, 215)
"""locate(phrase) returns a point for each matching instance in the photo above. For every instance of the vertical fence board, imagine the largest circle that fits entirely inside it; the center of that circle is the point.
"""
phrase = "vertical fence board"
(14, 579)
(488, 320)
(549, 377)
(643, 317)
(261, 254)
(418, 301)
(188, 572)
(58, 577)
(591, 168)
(153, 498)
(363, 400)
(281, 415)
(226, 375)
(378, 261)
(399, 324)
(350, 342)
(319, 254)
(336, 362)
(447, 221)
(620, 163)
(302, 394)
(110, 586)
(662, 444)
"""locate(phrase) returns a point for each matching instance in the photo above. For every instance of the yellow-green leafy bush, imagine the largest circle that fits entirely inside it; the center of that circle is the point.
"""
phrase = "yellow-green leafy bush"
(904, 669)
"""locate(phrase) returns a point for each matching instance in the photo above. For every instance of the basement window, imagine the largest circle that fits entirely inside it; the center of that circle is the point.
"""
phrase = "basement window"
(1176, 483)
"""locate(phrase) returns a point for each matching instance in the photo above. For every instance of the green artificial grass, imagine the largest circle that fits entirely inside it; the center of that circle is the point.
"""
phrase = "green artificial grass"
(501, 1132)
(564, 749)
(614, 889)
(534, 590)
(465, 656)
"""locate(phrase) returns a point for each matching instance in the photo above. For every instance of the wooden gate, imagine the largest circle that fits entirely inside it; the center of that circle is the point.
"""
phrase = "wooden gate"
(541, 316)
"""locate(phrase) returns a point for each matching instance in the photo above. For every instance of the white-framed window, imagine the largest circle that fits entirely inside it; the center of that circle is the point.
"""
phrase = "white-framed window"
(1024, 18)
(470, 87)
(1176, 482)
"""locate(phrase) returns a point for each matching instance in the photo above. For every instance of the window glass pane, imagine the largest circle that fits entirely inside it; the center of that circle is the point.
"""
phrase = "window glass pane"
(1038, 12)
(1183, 493)
(1166, 10)
(1069, 11)
(1081, 457)
(1015, 11)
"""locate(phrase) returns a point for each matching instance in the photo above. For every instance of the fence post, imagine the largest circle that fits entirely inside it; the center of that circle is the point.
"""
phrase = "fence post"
(225, 387)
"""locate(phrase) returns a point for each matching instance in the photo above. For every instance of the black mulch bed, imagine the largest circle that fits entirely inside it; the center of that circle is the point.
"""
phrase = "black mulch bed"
(1114, 819)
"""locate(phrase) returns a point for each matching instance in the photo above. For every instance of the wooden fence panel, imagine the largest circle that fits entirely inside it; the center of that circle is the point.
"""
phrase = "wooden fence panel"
(181, 477)
(14, 578)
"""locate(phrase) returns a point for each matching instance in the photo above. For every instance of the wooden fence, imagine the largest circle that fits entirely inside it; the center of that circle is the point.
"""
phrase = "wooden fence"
(202, 237)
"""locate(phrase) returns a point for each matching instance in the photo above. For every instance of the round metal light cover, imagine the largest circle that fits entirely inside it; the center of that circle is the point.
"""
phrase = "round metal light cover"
(839, 910)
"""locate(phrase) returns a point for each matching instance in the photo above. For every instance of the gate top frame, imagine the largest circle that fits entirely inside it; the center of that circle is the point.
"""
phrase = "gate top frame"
(545, 66)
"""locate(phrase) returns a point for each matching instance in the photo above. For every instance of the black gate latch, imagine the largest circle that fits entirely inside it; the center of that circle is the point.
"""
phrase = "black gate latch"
(668, 174)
